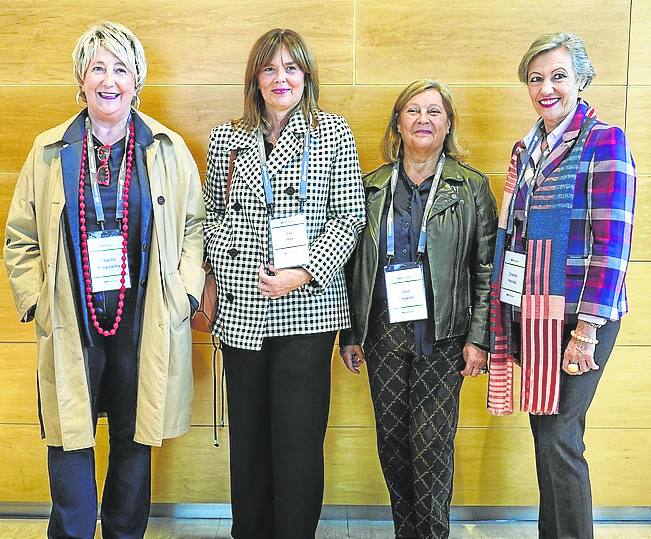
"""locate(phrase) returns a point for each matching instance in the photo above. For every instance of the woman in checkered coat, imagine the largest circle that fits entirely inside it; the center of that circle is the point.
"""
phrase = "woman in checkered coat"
(277, 326)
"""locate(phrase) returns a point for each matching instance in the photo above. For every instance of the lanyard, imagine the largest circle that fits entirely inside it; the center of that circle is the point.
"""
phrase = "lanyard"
(266, 180)
(422, 237)
(94, 185)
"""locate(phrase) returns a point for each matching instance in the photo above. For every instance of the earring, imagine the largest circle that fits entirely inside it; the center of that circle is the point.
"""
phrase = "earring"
(135, 102)
(78, 99)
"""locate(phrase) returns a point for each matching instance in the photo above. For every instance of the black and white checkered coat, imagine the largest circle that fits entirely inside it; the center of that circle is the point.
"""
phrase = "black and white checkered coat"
(236, 237)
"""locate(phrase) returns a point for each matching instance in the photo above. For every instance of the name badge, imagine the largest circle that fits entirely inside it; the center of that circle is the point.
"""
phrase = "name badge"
(105, 260)
(513, 278)
(405, 292)
(289, 241)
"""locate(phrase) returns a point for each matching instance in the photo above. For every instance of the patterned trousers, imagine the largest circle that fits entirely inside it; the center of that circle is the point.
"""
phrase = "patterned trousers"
(416, 403)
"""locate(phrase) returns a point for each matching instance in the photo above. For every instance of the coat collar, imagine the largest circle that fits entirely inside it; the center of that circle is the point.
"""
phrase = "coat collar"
(243, 138)
(73, 130)
(582, 113)
(381, 177)
(288, 147)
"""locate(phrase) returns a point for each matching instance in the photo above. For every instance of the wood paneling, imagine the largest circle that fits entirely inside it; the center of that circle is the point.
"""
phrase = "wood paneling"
(640, 69)
(493, 467)
(475, 42)
(351, 401)
(196, 42)
(367, 51)
(492, 118)
(638, 126)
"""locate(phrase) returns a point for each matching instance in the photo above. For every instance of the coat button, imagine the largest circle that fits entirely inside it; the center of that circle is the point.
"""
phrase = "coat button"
(230, 297)
(143, 282)
(233, 253)
(237, 206)
(454, 196)
(99, 310)
(99, 297)
(161, 200)
(290, 191)
(145, 247)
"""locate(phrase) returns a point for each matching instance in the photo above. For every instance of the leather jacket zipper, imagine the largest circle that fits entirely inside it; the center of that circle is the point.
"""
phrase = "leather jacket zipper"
(456, 277)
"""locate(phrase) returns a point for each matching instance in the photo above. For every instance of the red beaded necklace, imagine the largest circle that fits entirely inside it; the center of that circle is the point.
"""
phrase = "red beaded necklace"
(125, 236)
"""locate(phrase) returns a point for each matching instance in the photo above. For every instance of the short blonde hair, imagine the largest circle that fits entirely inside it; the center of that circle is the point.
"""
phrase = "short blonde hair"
(583, 67)
(392, 142)
(117, 39)
(261, 54)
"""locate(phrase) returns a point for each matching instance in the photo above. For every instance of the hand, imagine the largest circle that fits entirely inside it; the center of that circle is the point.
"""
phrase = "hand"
(580, 353)
(282, 282)
(353, 356)
(475, 360)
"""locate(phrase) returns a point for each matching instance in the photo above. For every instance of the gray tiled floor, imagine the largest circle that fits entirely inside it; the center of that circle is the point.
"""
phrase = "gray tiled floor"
(165, 528)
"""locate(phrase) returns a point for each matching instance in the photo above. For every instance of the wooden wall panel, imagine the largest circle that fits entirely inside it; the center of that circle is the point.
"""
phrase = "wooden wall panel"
(493, 467)
(640, 69)
(639, 127)
(351, 401)
(367, 51)
(475, 42)
(196, 42)
(492, 118)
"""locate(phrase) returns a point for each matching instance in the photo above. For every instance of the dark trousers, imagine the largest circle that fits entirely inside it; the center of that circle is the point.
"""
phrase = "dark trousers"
(278, 402)
(113, 379)
(416, 403)
(563, 478)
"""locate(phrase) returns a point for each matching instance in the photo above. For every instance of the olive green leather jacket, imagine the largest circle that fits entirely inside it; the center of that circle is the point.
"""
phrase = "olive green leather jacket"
(460, 244)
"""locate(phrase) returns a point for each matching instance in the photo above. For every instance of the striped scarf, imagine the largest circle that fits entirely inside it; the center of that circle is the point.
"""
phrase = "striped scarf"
(543, 299)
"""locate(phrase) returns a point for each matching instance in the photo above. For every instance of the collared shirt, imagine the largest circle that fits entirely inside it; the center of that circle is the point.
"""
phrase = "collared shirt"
(408, 206)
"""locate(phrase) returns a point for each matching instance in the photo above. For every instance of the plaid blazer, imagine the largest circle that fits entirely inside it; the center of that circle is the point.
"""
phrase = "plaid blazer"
(236, 237)
(601, 227)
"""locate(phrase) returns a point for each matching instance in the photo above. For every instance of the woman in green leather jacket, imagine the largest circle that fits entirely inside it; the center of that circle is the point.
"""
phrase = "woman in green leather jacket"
(419, 291)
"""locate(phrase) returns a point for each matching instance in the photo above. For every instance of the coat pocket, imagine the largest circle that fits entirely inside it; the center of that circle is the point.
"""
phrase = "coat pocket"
(177, 300)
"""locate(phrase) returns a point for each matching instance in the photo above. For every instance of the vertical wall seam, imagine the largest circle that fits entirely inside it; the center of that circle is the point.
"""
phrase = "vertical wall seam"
(354, 43)
(628, 63)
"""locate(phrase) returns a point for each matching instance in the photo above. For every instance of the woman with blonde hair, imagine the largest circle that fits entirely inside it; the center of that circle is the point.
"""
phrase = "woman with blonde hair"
(418, 286)
(103, 249)
(285, 204)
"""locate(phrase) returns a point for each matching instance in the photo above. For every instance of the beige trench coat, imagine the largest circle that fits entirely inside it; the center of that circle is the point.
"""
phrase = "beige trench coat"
(36, 257)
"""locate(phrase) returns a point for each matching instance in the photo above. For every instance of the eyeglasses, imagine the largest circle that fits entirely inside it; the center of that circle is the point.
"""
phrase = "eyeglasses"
(103, 171)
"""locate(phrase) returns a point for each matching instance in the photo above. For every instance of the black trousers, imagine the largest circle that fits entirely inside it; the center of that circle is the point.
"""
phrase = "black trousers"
(278, 403)
(113, 380)
(563, 478)
(416, 403)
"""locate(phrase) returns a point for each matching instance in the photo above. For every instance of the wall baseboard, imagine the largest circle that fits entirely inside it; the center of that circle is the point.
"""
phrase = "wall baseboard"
(345, 512)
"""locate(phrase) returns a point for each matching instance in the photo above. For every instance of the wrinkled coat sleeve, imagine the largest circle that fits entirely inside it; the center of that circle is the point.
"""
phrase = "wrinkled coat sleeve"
(215, 186)
(345, 213)
(611, 195)
(481, 264)
(22, 251)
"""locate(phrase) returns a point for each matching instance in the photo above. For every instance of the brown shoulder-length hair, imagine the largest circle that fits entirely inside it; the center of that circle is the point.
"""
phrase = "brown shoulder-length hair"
(261, 54)
(392, 142)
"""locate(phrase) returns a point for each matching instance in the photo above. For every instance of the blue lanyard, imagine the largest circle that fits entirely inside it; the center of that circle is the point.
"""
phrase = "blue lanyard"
(266, 180)
(422, 236)
(94, 184)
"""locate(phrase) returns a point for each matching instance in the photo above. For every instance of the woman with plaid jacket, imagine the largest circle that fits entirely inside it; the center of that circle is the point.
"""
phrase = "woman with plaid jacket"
(285, 205)
(557, 289)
